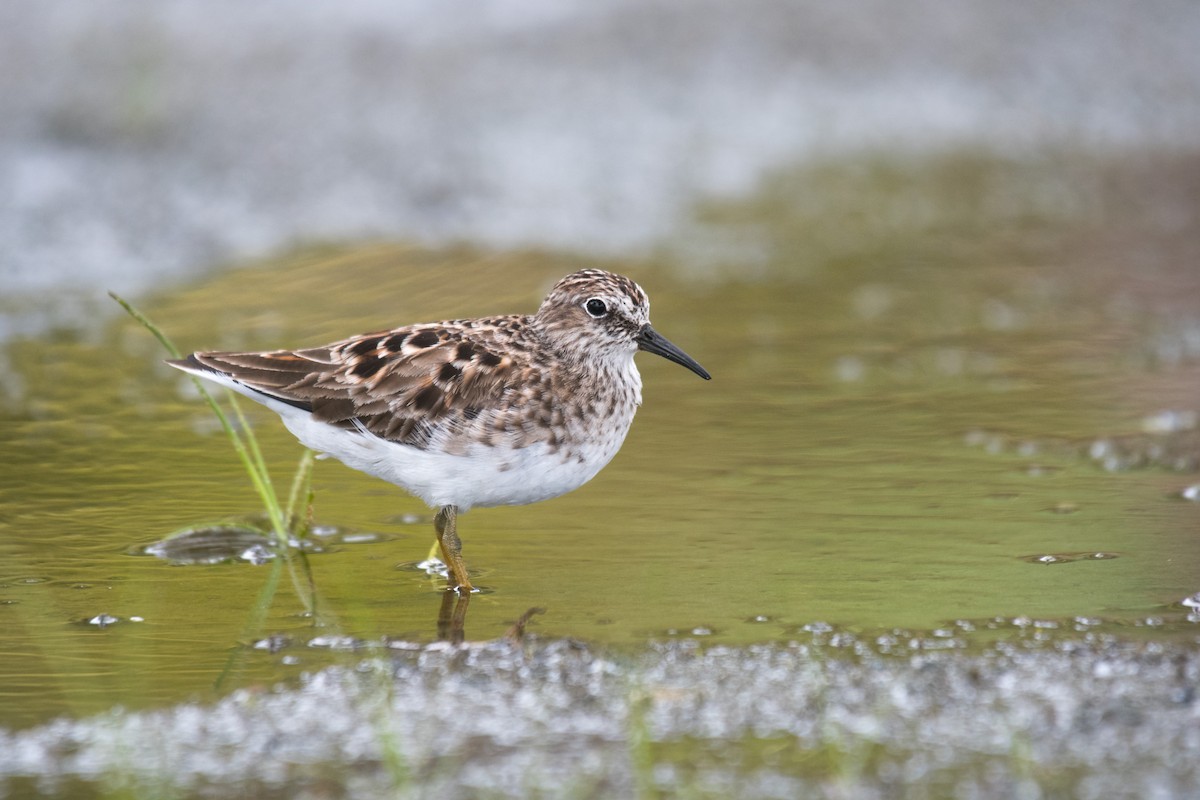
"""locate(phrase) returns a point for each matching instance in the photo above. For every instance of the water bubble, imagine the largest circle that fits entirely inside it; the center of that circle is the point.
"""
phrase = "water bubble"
(1028, 448)
(257, 554)
(332, 642)
(273, 643)
(404, 644)
(364, 537)
(432, 567)
(213, 544)
(1067, 558)
(1169, 422)
(336, 534)
(850, 369)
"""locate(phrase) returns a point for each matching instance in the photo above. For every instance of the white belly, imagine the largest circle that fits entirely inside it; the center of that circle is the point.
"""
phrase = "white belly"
(484, 476)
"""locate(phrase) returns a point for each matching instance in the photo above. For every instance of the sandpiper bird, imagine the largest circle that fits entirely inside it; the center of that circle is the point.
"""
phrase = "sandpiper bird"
(493, 411)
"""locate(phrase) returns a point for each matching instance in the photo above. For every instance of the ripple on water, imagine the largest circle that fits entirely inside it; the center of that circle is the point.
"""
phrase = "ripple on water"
(213, 544)
(1068, 558)
(105, 620)
(248, 542)
(25, 580)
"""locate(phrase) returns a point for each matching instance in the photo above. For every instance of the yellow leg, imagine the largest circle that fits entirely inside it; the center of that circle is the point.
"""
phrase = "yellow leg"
(446, 523)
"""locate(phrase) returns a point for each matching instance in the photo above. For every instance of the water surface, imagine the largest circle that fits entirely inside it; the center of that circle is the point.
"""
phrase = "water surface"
(911, 403)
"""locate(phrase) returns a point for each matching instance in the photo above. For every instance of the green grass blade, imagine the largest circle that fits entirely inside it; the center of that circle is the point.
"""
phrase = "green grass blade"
(301, 491)
(246, 445)
(248, 450)
(147, 324)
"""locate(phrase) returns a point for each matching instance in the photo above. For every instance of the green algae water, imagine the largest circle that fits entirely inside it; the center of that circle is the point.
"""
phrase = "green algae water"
(959, 390)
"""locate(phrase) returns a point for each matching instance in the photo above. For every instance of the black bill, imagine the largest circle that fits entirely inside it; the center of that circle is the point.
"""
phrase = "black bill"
(652, 341)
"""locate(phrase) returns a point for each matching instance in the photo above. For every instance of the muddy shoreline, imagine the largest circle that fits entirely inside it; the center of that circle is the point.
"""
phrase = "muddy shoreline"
(1092, 715)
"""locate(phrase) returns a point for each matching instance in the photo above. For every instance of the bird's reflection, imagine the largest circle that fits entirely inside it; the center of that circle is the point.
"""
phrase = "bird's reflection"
(452, 619)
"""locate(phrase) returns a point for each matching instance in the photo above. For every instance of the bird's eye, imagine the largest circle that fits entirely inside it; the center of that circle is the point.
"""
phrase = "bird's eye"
(596, 307)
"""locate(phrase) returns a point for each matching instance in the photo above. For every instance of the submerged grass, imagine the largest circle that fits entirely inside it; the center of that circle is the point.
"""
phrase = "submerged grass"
(243, 439)
(288, 525)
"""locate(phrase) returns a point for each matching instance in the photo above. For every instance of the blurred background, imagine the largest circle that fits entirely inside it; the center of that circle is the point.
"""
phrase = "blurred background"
(144, 142)
(941, 259)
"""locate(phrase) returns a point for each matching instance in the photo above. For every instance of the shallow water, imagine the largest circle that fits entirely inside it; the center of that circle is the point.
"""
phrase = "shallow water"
(910, 410)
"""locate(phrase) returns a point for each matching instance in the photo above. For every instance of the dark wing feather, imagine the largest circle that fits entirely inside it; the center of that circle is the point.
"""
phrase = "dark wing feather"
(405, 385)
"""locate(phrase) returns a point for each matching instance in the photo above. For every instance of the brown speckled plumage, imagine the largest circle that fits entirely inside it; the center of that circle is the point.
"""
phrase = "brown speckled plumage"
(489, 411)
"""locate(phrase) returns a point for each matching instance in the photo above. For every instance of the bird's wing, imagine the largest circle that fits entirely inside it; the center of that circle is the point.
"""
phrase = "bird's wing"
(405, 385)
